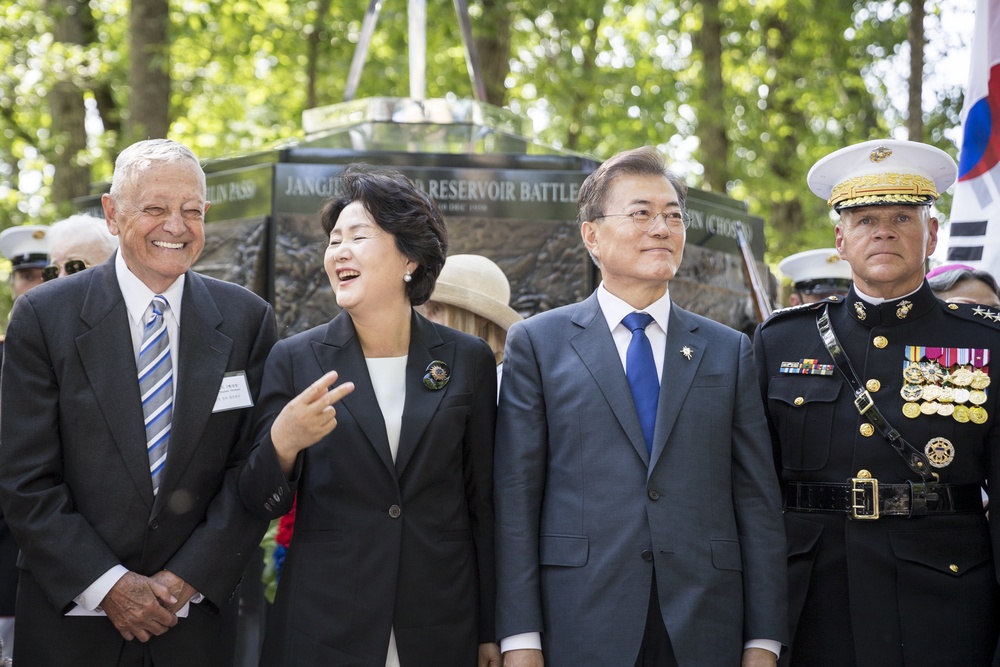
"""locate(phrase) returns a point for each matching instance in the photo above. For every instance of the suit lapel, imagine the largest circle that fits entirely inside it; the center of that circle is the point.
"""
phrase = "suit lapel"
(421, 403)
(678, 374)
(599, 354)
(341, 351)
(108, 359)
(203, 355)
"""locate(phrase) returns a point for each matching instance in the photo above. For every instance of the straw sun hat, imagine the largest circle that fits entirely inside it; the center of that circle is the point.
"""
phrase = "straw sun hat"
(475, 283)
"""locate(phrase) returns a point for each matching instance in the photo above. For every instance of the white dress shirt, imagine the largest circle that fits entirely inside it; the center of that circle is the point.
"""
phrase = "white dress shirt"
(137, 299)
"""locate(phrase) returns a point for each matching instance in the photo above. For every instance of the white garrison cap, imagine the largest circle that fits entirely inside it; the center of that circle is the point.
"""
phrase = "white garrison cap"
(884, 171)
(816, 268)
(26, 246)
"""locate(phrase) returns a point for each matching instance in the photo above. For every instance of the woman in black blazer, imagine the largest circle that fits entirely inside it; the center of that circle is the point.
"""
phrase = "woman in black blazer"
(391, 562)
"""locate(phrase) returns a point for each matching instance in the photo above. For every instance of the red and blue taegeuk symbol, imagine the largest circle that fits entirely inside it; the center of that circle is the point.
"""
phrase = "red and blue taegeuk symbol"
(981, 136)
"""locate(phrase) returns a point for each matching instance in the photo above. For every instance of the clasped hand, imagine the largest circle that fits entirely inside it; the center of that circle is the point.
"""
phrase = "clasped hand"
(142, 607)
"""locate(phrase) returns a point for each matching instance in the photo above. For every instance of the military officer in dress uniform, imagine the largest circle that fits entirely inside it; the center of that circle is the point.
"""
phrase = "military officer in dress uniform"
(884, 421)
(27, 248)
(815, 275)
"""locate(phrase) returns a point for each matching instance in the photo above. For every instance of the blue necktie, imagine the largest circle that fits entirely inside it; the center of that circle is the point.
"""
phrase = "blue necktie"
(156, 387)
(640, 369)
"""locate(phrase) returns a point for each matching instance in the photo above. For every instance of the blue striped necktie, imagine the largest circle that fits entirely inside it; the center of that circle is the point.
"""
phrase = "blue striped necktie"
(156, 386)
(640, 369)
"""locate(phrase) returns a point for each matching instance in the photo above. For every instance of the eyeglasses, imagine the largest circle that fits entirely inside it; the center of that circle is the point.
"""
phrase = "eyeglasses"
(71, 266)
(644, 220)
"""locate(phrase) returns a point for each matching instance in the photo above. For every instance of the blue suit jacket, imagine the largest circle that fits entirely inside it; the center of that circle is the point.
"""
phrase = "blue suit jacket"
(584, 514)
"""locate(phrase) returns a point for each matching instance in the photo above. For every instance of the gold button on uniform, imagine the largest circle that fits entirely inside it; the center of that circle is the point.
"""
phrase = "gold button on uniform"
(799, 400)
(952, 306)
(867, 430)
(953, 567)
(880, 341)
(873, 385)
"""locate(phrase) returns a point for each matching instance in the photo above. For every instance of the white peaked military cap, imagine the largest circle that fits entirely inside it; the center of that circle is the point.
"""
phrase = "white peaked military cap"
(26, 246)
(885, 171)
(818, 268)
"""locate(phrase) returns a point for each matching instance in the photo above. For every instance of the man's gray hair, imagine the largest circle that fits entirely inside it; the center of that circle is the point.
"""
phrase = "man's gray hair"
(141, 154)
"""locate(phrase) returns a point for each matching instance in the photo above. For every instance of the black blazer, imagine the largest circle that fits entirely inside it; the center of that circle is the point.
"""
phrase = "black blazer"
(379, 545)
(74, 476)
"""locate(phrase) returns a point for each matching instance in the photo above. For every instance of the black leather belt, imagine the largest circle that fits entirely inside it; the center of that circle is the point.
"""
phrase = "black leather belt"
(866, 498)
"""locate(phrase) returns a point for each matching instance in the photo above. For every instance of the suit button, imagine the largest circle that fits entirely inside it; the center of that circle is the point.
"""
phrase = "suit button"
(154, 525)
(647, 555)
(654, 494)
(394, 511)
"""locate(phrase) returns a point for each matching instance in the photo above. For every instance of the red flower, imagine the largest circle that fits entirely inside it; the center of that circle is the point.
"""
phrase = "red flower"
(285, 526)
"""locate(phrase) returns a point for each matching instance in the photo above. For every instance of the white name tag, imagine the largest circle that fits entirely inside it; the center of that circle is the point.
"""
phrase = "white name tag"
(234, 392)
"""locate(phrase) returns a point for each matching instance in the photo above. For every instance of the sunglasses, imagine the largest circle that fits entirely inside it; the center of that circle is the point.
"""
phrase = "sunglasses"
(71, 266)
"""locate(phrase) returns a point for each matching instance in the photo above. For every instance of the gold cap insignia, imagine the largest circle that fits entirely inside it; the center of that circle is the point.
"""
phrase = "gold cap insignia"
(880, 153)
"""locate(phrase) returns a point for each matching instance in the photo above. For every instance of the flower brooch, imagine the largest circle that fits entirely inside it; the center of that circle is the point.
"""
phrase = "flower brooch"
(437, 375)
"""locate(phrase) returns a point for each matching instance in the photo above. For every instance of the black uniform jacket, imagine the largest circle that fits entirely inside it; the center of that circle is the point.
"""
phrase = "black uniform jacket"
(380, 544)
(898, 590)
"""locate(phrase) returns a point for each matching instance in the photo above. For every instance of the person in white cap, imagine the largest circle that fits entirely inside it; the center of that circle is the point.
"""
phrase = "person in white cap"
(471, 295)
(884, 429)
(27, 248)
(816, 275)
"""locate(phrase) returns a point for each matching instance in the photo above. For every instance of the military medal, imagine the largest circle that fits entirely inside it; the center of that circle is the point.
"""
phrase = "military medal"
(977, 415)
(911, 392)
(977, 397)
(961, 395)
(945, 409)
(911, 410)
(940, 452)
(962, 377)
(912, 373)
(961, 414)
(931, 392)
(929, 408)
(980, 380)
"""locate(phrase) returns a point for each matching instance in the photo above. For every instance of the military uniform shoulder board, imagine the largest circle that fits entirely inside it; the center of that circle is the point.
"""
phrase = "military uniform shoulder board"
(974, 312)
(801, 308)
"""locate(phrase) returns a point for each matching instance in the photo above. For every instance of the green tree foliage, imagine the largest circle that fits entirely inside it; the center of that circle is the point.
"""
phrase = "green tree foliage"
(791, 81)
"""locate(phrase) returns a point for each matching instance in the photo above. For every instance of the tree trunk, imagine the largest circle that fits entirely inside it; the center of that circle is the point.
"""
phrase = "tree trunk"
(494, 49)
(915, 115)
(711, 104)
(581, 96)
(312, 55)
(72, 21)
(149, 71)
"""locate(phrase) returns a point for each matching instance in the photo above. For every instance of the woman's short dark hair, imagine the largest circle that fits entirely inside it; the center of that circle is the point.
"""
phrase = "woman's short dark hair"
(645, 161)
(401, 209)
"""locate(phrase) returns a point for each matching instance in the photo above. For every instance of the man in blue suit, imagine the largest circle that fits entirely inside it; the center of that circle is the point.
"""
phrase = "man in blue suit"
(638, 513)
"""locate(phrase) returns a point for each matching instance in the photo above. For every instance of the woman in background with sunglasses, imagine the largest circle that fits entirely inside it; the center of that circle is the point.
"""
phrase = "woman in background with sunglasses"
(77, 243)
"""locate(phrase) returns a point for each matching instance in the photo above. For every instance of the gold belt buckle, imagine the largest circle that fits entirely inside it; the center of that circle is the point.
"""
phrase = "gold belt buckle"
(863, 401)
(859, 489)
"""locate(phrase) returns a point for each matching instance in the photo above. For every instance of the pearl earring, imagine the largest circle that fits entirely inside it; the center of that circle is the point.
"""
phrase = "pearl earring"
(407, 278)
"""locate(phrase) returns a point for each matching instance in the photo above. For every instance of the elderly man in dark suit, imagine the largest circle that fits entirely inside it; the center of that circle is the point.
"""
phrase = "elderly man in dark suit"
(123, 416)
(638, 514)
